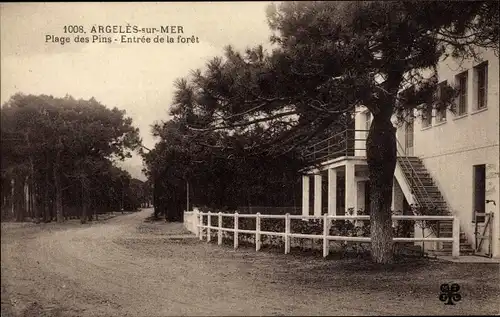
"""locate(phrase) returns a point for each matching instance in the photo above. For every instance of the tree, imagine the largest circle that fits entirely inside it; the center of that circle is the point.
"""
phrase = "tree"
(220, 173)
(60, 144)
(331, 57)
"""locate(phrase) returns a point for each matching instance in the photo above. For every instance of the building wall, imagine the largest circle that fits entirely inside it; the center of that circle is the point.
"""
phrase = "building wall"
(450, 149)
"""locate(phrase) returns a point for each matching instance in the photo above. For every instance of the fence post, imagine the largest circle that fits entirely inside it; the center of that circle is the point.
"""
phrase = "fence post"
(456, 237)
(209, 224)
(287, 233)
(326, 244)
(235, 230)
(490, 244)
(219, 234)
(257, 232)
(201, 224)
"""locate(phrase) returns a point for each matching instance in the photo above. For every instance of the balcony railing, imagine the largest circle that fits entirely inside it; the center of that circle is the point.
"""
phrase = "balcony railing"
(346, 143)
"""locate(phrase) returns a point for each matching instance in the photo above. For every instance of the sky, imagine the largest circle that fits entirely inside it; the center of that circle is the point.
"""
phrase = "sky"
(136, 77)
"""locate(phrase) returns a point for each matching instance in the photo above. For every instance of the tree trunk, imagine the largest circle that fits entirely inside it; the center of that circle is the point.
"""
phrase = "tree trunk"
(91, 207)
(36, 210)
(156, 207)
(34, 202)
(123, 198)
(58, 190)
(26, 197)
(18, 197)
(6, 197)
(46, 199)
(57, 181)
(29, 207)
(381, 157)
(83, 218)
(12, 197)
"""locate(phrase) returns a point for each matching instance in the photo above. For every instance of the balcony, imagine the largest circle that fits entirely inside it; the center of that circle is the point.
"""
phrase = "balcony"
(347, 143)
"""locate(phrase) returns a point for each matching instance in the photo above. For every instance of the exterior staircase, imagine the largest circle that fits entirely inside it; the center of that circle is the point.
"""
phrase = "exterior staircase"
(428, 196)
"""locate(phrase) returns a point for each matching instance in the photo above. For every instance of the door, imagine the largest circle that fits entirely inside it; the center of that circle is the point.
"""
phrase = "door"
(340, 204)
(479, 203)
(482, 220)
(485, 232)
(409, 137)
(367, 197)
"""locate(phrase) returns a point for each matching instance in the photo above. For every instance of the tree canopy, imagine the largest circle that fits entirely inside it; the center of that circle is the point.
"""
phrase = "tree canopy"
(217, 170)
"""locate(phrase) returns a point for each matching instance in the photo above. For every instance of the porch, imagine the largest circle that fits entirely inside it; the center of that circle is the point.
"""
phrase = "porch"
(339, 171)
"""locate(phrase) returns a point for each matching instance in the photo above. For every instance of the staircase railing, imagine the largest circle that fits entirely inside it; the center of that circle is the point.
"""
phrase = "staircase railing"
(419, 186)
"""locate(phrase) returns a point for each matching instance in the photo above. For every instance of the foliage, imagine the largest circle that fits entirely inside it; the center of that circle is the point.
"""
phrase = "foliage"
(217, 170)
(331, 56)
(64, 149)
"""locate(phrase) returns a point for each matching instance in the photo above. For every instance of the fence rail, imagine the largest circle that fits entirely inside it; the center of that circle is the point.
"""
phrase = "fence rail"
(198, 227)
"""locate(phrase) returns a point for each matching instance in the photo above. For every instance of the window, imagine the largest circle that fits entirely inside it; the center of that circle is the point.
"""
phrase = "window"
(461, 80)
(367, 196)
(368, 122)
(481, 83)
(409, 137)
(426, 117)
(441, 113)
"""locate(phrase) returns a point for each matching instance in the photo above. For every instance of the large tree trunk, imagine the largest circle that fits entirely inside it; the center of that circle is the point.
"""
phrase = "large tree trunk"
(381, 156)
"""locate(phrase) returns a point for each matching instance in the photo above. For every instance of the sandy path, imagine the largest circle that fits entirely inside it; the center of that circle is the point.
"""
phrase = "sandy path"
(125, 267)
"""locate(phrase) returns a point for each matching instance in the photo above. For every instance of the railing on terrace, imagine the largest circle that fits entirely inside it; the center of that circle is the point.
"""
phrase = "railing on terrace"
(344, 143)
(269, 210)
(326, 220)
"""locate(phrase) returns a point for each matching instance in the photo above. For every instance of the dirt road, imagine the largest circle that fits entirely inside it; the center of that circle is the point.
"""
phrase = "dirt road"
(126, 267)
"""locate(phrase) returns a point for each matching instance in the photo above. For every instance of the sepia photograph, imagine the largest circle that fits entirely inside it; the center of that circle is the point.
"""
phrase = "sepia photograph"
(250, 158)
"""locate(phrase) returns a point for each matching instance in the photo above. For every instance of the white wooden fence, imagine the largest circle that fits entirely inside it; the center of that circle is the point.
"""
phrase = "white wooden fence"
(196, 225)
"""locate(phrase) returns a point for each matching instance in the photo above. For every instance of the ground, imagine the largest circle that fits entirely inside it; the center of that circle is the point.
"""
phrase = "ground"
(127, 267)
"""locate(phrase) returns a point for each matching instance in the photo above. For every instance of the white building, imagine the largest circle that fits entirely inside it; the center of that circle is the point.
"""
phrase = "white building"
(449, 161)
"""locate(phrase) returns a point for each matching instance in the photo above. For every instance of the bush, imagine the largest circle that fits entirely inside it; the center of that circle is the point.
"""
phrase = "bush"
(431, 211)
